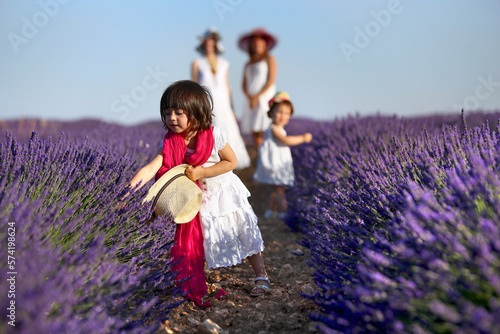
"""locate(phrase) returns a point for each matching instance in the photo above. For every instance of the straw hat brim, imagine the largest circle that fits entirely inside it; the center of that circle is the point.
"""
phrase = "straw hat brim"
(175, 194)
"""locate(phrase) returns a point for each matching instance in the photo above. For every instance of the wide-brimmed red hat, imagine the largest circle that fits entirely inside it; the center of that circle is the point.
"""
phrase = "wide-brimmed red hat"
(261, 32)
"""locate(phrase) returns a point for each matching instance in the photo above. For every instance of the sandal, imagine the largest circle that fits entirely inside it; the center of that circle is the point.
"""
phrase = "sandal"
(266, 288)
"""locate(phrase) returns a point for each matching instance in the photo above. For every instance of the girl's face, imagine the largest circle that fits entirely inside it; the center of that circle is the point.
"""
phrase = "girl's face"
(281, 114)
(210, 44)
(177, 120)
(258, 45)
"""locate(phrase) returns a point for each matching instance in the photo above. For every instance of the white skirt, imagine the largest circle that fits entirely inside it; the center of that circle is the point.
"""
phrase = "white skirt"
(229, 224)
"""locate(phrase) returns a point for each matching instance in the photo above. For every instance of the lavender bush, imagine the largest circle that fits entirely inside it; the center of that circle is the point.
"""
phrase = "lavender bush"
(86, 262)
(401, 218)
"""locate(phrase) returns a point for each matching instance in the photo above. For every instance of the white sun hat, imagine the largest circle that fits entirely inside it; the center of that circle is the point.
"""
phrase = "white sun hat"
(175, 194)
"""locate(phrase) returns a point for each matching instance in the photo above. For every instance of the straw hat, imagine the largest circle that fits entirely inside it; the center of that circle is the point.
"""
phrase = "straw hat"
(176, 194)
(245, 39)
(277, 98)
(210, 33)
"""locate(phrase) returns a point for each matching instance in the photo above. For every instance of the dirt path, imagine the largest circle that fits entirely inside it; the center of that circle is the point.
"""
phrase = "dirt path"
(282, 310)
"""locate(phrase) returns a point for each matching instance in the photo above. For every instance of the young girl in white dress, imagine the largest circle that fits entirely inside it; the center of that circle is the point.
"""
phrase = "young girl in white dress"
(259, 82)
(225, 231)
(275, 164)
(212, 71)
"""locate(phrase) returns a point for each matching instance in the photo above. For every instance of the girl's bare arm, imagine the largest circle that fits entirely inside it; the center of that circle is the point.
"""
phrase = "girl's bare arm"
(228, 162)
(271, 75)
(194, 71)
(244, 83)
(228, 88)
(147, 172)
(290, 140)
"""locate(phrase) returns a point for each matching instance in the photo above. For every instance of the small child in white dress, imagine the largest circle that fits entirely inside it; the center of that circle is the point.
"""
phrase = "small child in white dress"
(275, 164)
(226, 219)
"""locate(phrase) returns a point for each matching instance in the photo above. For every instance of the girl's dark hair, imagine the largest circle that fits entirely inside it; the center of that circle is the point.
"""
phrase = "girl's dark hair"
(191, 97)
(275, 104)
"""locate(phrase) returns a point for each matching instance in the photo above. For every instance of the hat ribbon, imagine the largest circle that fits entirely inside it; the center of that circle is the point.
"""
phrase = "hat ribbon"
(175, 177)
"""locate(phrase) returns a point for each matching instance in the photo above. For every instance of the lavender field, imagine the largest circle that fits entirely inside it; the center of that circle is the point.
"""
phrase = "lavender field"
(400, 217)
(85, 262)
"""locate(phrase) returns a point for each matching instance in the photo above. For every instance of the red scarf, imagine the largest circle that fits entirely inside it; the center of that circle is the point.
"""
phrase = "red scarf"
(188, 253)
(174, 150)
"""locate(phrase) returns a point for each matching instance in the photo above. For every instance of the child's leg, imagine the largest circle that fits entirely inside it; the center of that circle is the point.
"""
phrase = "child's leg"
(273, 203)
(272, 207)
(281, 199)
(258, 138)
(257, 262)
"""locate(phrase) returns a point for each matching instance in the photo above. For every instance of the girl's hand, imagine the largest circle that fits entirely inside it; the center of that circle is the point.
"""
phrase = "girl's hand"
(147, 172)
(195, 173)
(254, 100)
(119, 206)
(307, 137)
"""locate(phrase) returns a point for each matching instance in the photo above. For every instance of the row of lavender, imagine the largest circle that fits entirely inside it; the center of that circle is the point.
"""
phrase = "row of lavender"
(401, 220)
(85, 262)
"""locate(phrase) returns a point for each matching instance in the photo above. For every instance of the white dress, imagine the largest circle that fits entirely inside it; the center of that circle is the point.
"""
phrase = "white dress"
(275, 164)
(256, 119)
(228, 221)
(224, 116)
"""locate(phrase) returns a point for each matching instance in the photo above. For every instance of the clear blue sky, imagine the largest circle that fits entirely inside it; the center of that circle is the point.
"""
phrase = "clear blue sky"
(113, 59)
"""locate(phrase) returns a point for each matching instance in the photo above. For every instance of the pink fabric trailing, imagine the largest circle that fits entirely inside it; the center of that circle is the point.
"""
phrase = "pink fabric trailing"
(188, 247)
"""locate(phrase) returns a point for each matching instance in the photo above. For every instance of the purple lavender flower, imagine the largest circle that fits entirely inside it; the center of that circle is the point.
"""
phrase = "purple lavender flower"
(84, 266)
(396, 223)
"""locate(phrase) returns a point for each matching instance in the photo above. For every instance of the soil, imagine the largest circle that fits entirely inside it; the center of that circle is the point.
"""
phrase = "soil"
(281, 310)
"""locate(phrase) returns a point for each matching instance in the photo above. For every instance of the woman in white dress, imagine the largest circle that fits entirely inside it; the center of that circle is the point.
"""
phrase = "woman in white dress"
(259, 82)
(212, 71)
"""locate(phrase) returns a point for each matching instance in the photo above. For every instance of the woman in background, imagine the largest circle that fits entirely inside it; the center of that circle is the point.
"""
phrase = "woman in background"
(212, 71)
(259, 82)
